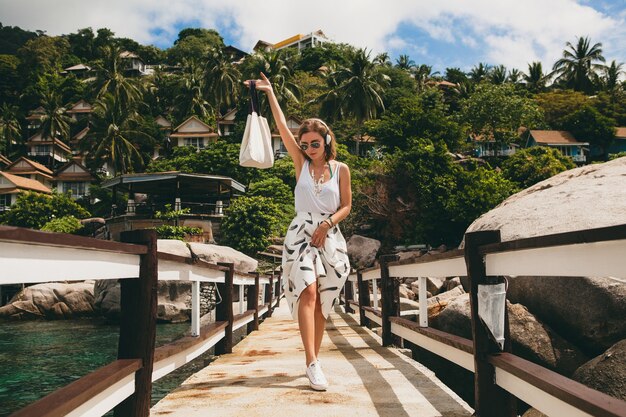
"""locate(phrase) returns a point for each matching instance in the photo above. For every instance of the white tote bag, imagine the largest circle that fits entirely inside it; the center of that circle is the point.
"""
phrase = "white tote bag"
(256, 147)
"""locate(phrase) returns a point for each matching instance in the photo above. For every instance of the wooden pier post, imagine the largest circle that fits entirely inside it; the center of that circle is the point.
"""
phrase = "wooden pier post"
(270, 296)
(489, 399)
(364, 298)
(349, 296)
(138, 305)
(224, 310)
(390, 300)
(253, 303)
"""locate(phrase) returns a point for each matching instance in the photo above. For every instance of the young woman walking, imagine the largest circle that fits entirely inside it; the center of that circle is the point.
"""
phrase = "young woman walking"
(315, 259)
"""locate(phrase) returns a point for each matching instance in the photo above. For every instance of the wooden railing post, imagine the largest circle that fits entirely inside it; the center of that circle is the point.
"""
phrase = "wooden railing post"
(390, 300)
(253, 303)
(270, 296)
(489, 399)
(348, 295)
(364, 298)
(138, 305)
(224, 310)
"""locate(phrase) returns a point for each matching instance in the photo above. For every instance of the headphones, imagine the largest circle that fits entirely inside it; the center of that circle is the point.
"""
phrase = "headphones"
(328, 137)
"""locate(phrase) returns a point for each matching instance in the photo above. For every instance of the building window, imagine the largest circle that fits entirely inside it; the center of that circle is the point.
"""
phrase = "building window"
(5, 201)
(41, 150)
(77, 188)
(197, 143)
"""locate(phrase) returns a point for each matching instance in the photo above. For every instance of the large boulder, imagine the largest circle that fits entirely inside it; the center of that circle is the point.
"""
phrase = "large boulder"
(51, 300)
(216, 253)
(362, 251)
(583, 198)
(531, 339)
(173, 247)
(607, 372)
(589, 312)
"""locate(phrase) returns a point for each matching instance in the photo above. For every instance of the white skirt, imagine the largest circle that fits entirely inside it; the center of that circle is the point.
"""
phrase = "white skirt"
(303, 264)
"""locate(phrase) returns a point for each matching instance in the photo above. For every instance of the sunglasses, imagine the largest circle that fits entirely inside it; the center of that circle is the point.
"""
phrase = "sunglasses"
(314, 145)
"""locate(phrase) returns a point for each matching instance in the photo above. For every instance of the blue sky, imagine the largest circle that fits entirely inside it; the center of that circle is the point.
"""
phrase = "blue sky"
(442, 33)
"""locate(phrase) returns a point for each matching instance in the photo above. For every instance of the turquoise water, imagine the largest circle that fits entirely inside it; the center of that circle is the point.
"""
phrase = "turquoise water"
(38, 357)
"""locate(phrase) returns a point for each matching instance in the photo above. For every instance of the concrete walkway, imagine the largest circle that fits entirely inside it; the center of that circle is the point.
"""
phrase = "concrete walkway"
(264, 376)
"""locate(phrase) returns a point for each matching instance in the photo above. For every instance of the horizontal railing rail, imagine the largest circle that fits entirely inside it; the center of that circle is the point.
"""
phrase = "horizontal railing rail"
(30, 256)
(592, 252)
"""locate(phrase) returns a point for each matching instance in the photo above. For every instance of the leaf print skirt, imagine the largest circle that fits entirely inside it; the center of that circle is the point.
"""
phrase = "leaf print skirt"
(303, 263)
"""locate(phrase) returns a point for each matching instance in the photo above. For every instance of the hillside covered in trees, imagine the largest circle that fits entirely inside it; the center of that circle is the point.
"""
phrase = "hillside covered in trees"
(409, 134)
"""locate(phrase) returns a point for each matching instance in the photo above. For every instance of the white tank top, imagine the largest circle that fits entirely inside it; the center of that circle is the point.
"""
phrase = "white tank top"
(327, 202)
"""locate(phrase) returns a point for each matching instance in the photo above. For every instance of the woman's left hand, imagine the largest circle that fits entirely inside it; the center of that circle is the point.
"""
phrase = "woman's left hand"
(319, 236)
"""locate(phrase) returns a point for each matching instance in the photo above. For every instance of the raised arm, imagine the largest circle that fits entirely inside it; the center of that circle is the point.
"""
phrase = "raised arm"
(285, 134)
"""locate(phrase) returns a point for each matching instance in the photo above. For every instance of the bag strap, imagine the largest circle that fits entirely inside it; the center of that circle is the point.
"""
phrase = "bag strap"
(254, 98)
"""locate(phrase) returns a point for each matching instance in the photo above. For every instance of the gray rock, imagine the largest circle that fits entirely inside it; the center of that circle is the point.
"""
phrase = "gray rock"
(533, 412)
(452, 283)
(434, 285)
(51, 300)
(173, 247)
(607, 372)
(362, 251)
(447, 296)
(583, 198)
(216, 253)
(589, 312)
(406, 292)
(531, 339)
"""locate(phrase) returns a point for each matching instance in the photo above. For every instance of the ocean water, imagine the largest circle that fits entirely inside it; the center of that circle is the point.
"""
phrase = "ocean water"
(38, 357)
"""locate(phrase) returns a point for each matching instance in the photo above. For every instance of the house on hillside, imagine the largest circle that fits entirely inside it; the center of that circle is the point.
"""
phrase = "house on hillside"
(619, 144)
(12, 185)
(193, 132)
(27, 168)
(75, 178)
(80, 110)
(236, 55)
(75, 141)
(133, 64)
(293, 123)
(562, 140)
(34, 119)
(49, 151)
(226, 123)
(487, 147)
(81, 71)
(4, 161)
(298, 42)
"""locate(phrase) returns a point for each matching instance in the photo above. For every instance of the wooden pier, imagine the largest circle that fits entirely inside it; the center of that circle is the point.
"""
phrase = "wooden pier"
(264, 376)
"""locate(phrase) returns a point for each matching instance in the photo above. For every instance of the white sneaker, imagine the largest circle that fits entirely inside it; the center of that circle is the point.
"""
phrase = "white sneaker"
(317, 380)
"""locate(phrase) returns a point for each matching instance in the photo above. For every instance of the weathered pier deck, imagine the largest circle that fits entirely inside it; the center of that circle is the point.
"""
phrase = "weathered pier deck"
(265, 376)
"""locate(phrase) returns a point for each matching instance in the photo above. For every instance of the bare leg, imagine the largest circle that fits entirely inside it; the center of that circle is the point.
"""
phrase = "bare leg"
(306, 321)
(320, 325)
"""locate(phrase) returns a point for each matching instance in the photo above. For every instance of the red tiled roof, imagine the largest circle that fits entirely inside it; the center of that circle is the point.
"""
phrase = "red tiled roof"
(36, 165)
(555, 137)
(621, 132)
(26, 183)
(5, 160)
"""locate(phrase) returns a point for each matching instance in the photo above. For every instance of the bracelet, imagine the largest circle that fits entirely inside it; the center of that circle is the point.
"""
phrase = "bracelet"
(329, 223)
(332, 223)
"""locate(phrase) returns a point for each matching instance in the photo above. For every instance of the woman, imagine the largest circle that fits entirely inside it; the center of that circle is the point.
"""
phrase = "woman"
(315, 258)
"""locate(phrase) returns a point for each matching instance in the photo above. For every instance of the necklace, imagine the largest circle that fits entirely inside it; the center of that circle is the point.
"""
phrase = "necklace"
(318, 184)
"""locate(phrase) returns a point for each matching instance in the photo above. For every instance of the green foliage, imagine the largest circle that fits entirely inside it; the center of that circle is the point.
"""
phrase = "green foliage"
(176, 232)
(170, 214)
(249, 223)
(194, 44)
(34, 210)
(498, 111)
(66, 224)
(12, 38)
(10, 80)
(588, 125)
(613, 156)
(612, 105)
(532, 165)
(556, 105)
(278, 192)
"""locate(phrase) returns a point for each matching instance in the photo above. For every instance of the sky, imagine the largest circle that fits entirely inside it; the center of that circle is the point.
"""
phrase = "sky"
(440, 33)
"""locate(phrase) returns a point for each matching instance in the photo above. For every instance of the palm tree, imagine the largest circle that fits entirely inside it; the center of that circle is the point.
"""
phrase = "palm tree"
(536, 79)
(404, 62)
(110, 78)
(112, 137)
(423, 73)
(612, 74)
(190, 100)
(479, 72)
(55, 123)
(515, 76)
(358, 90)
(383, 59)
(498, 75)
(10, 128)
(578, 67)
(223, 81)
(279, 68)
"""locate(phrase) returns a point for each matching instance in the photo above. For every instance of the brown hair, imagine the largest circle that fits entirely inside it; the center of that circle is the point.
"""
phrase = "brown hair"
(318, 126)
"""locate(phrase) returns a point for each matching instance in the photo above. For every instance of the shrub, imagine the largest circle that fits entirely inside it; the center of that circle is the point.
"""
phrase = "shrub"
(67, 224)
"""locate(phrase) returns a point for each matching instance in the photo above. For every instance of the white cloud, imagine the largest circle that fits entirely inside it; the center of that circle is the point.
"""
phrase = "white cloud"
(506, 32)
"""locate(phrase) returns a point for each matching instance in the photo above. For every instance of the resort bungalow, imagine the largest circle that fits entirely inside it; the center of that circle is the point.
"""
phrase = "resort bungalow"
(299, 42)
(293, 123)
(80, 71)
(562, 140)
(34, 119)
(619, 144)
(11, 185)
(76, 139)
(193, 132)
(226, 123)
(133, 64)
(205, 196)
(486, 147)
(80, 110)
(75, 178)
(26, 168)
(49, 151)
